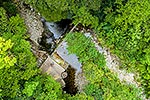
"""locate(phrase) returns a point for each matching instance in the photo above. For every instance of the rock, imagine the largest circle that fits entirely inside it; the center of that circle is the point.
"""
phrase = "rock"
(33, 23)
(80, 82)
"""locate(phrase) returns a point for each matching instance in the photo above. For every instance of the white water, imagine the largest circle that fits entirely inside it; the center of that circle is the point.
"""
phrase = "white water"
(53, 27)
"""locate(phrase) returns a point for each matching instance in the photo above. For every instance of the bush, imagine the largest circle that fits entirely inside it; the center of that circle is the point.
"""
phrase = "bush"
(42, 88)
(126, 32)
(103, 83)
(52, 10)
(79, 11)
(20, 79)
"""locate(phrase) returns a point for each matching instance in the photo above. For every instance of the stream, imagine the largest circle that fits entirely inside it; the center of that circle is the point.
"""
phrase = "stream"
(55, 32)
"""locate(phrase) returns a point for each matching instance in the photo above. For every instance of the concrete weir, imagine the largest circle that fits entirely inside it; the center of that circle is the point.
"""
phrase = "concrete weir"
(71, 59)
(54, 69)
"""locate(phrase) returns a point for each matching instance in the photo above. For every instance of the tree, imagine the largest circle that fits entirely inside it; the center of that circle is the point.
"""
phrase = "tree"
(17, 62)
(126, 32)
(6, 59)
(77, 10)
(20, 77)
(43, 87)
(51, 10)
(103, 84)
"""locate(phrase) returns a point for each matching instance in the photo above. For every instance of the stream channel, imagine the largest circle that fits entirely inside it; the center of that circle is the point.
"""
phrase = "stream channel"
(52, 41)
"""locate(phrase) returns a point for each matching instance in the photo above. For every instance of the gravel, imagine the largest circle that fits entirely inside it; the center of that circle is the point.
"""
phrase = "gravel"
(33, 23)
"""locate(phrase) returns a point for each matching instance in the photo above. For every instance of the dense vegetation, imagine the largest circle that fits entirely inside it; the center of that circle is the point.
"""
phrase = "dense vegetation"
(126, 32)
(121, 25)
(20, 79)
(104, 85)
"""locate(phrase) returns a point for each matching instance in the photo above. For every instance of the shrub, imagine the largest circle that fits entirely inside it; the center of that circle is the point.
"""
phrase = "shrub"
(103, 83)
(126, 32)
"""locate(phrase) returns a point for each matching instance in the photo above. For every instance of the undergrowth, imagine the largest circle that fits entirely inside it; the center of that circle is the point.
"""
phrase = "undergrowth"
(104, 85)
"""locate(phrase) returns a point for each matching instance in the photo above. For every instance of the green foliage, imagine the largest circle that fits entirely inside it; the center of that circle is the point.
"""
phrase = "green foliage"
(78, 10)
(94, 90)
(43, 88)
(84, 17)
(20, 78)
(84, 49)
(16, 25)
(52, 10)
(6, 59)
(3, 20)
(19, 75)
(93, 72)
(103, 83)
(113, 89)
(23, 66)
(126, 32)
(89, 4)
(30, 87)
(10, 8)
(144, 70)
(80, 97)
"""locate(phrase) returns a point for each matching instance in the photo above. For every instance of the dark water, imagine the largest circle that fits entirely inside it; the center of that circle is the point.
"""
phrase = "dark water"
(47, 42)
(70, 87)
(53, 31)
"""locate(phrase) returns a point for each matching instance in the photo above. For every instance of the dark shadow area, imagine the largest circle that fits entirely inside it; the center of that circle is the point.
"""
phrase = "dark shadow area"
(9, 6)
(70, 87)
(47, 42)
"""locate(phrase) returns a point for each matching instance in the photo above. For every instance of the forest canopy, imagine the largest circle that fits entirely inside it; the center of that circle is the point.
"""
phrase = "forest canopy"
(120, 25)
